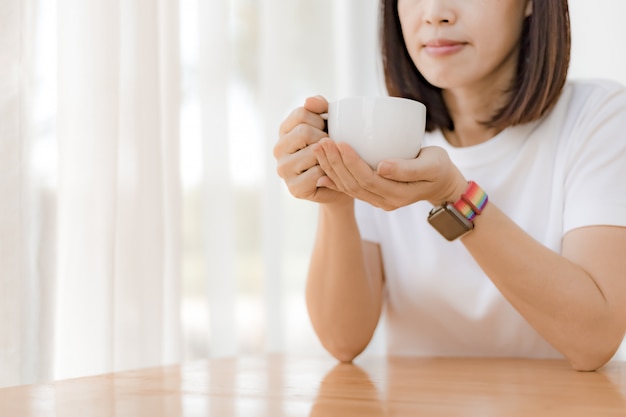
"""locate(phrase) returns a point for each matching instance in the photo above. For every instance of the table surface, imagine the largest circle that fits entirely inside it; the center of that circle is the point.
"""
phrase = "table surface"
(283, 385)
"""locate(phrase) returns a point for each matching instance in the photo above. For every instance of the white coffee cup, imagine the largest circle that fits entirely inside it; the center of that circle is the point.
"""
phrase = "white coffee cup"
(378, 127)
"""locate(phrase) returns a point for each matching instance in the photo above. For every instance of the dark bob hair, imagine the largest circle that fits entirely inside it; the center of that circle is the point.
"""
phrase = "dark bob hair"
(541, 71)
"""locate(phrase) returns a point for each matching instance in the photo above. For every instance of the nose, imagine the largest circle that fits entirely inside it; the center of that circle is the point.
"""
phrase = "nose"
(438, 12)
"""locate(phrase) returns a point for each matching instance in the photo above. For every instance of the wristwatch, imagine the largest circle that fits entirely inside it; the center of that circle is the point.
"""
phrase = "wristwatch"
(453, 220)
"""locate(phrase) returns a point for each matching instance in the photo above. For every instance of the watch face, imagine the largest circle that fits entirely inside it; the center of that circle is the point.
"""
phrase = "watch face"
(449, 222)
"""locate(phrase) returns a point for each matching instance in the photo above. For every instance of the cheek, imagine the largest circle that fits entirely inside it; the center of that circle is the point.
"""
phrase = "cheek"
(404, 8)
(409, 26)
(407, 13)
(509, 26)
(500, 48)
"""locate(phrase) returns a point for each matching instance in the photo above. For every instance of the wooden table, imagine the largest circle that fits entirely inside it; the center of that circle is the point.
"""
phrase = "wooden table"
(302, 386)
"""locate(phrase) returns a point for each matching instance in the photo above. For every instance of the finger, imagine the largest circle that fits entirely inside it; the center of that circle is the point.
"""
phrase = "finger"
(376, 190)
(297, 139)
(325, 182)
(301, 116)
(290, 165)
(343, 177)
(316, 104)
(430, 176)
(305, 160)
(329, 158)
(337, 172)
(309, 114)
(354, 163)
(322, 159)
(357, 168)
(331, 179)
(305, 186)
(426, 166)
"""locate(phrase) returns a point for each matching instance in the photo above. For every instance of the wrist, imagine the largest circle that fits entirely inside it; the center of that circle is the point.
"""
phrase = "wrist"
(472, 201)
(451, 193)
(339, 207)
(454, 219)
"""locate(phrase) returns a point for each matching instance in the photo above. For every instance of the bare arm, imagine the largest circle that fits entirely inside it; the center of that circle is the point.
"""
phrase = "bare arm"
(576, 300)
(344, 287)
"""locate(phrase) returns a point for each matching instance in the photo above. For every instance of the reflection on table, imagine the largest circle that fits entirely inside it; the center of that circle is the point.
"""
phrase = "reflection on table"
(279, 385)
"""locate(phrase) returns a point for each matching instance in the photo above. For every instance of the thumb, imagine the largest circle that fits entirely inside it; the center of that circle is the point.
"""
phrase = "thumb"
(401, 170)
(316, 104)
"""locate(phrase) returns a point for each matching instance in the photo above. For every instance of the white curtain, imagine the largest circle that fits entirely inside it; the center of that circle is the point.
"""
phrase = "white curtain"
(19, 313)
(90, 261)
(302, 48)
(246, 64)
(141, 219)
(118, 193)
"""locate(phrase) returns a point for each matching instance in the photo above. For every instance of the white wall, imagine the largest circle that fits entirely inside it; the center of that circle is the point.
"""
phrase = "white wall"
(598, 35)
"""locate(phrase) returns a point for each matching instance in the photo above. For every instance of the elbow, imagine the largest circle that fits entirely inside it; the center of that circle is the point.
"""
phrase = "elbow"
(589, 361)
(587, 366)
(344, 342)
(344, 356)
(344, 352)
(595, 349)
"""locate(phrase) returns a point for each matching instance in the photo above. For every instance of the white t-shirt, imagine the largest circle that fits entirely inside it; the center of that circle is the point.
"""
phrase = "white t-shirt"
(565, 171)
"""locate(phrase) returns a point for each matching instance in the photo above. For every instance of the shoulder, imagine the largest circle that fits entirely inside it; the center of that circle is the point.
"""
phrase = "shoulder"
(588, 105)
(587, 95)
(595, 84)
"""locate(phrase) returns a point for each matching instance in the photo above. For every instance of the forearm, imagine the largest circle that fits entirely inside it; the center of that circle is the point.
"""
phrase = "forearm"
(343, 298)
(559, 298)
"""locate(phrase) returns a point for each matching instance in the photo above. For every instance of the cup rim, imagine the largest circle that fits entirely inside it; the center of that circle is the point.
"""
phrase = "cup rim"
(380, 98)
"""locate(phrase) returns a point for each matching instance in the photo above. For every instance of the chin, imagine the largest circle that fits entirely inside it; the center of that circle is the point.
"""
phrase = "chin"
(443, 78)
(441, 82)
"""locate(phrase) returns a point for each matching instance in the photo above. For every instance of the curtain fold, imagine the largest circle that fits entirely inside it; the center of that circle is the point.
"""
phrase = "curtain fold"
(218, 221)
(272, 46)
(19, 284)
(119, 207)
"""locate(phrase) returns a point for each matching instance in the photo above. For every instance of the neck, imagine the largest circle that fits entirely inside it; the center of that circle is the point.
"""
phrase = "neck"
(470, 106)
(469, 112)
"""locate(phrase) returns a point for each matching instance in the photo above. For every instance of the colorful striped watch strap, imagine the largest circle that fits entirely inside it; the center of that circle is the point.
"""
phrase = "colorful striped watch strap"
(472, 202)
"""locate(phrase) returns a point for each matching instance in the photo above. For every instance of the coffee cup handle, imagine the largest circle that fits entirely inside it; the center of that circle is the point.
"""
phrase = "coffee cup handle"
(325, 117)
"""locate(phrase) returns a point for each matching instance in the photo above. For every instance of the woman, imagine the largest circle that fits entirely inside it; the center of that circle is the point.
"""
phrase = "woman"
(537, 268)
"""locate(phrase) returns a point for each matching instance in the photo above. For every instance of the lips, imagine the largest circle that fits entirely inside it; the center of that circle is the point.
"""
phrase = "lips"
(442, 47)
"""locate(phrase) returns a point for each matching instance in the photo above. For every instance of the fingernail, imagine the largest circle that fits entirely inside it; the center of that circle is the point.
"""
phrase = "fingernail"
(384, 168)
(323, 142)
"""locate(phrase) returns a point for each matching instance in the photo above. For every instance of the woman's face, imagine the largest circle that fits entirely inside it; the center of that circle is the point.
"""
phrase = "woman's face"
(464, 43)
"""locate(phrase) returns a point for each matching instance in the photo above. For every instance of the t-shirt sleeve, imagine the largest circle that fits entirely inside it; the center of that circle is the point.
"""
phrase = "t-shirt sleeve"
(595, 184)
(366, 220)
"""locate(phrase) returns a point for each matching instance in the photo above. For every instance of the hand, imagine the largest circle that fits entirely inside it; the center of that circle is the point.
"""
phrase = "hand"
(295, 156)
(396, 182)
